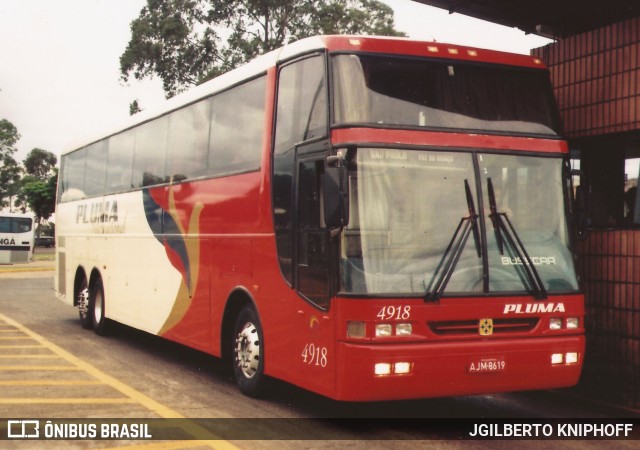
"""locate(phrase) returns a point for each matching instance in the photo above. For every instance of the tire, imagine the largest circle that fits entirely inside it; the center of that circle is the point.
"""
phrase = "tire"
(97, 308)
(83, 306)
(248, 353)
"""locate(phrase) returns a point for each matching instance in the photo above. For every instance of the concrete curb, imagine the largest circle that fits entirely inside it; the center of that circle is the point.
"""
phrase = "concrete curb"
(36, 266)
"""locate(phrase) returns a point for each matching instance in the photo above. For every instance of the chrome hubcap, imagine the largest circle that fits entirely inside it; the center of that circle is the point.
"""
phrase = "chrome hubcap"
(248, 350)
(83, 302)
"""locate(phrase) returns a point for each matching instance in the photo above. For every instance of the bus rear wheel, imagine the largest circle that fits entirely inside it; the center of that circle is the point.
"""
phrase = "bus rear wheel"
(82, 298)
(248, 353)
(96, 308)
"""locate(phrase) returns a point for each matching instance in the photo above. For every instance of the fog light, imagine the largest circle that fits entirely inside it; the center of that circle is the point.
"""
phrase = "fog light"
(401, 368)
(404, 329)
(383, 330)
(382, 369)
(557, 358)
(573, 323)
(356, 330)
(555, 324)
(571, 358)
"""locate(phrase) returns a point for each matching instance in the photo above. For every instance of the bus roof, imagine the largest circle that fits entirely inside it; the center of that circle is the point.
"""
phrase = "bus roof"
(332, 43)
(12, 214)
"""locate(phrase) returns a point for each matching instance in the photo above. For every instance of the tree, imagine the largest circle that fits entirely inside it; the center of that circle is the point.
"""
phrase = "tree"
(9, 168)
(40, 163)
(40, 196)
(39, 185)
(134, 107)
(186, 42)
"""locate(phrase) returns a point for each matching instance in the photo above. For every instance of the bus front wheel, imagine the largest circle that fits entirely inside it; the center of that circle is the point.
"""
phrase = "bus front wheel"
(248, 353)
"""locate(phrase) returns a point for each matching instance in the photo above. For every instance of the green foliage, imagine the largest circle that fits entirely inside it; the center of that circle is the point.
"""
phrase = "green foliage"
(134, 108)
(40, 163)
(185, 42)
(40, 195)
(8, 137)
(37, 189)
(9, 169)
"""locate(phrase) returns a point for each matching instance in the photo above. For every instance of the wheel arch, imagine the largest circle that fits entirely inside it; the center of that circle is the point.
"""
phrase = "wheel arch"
(237, 300)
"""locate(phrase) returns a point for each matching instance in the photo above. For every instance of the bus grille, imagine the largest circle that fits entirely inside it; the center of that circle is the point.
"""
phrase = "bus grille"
(470, 327)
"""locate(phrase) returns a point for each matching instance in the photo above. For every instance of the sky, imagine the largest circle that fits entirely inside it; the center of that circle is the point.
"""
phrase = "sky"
(59, 62)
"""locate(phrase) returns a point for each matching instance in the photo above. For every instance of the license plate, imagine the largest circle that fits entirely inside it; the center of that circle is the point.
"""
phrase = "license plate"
(487, 366)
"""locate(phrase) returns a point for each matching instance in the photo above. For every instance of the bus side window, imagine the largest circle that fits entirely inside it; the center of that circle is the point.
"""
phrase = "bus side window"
(120, 168)
(150, 153)
(73, 170)
(188, 140)
(96, 168)
(230, 151)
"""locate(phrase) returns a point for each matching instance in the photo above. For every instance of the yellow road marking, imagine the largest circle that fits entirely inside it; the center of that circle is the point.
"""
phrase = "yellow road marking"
(43, 368)
(131, 395)
(65, 401)
(21, 346)
(51, 383)
(13, 338)
(18, 356)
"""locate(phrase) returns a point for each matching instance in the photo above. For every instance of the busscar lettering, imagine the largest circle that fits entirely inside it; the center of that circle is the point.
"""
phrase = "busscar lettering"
(535, 260)
(533, 308)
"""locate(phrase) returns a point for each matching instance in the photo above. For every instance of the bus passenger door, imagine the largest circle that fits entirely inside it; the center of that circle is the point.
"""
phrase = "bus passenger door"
(313, 250)
(312, 246)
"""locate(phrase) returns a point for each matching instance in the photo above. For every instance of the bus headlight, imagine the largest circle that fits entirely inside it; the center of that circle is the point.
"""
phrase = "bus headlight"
(357, 330)
(402, 368)
(383, 330)
(399, 368)
(573, 323)
(404, 329)
(555, 324)
(571, 358)
(382, 369)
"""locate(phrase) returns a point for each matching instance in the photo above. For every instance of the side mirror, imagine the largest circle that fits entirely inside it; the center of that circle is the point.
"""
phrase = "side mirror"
(336, 193)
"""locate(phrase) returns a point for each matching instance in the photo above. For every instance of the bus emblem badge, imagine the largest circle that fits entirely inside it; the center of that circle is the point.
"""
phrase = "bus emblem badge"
(486, 327)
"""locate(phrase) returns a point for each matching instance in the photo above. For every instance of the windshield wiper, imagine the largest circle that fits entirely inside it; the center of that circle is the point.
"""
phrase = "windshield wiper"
(467, 225)
(506, 232)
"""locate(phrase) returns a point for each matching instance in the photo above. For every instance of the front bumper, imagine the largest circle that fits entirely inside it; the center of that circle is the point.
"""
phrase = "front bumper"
(456, 368)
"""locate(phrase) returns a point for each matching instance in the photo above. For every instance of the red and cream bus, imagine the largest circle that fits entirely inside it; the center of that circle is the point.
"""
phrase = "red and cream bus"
(367, 218)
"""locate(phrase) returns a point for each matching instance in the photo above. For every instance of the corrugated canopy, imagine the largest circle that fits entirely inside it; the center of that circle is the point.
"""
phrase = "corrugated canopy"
(551, 18)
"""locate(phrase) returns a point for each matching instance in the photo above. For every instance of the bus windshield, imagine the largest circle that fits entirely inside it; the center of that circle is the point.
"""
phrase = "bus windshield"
(437, 94)
(405, 206)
